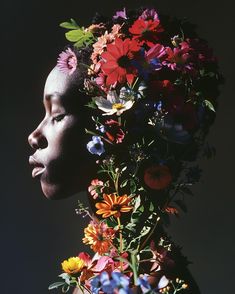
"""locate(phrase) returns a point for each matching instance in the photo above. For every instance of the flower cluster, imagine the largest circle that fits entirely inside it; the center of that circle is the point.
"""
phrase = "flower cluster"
(151, 86)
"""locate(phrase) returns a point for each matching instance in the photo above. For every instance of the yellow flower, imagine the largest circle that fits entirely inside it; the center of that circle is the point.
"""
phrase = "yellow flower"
(73, 265)
(99, 236)
(113, 205)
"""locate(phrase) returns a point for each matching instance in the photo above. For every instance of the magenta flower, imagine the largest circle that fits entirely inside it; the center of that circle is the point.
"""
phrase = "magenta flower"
(179, 57)
(67, 61)
(121, 14)
(149, 14)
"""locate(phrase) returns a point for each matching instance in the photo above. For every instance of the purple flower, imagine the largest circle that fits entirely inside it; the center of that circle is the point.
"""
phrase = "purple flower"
(67, 61)
(96, 146)
(121, 14)
(108, 284)
(149, 14)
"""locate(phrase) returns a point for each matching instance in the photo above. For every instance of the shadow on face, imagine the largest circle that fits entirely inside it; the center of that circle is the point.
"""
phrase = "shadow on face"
(61, 160)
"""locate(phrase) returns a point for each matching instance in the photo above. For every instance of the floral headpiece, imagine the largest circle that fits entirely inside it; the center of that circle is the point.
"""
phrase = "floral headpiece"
(151, 84)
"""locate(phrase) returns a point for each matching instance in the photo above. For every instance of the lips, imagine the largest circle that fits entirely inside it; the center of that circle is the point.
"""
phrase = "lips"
(38, 168)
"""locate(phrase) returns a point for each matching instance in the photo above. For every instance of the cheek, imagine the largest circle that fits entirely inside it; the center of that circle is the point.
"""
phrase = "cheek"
(66, 154)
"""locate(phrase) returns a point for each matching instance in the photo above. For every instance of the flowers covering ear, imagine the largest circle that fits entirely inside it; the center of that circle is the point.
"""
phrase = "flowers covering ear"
(150, 84)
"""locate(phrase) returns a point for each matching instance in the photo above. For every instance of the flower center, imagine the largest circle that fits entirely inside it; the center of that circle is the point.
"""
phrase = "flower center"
(123, 61)
(116, 207)
(117, 106)
(97, 146)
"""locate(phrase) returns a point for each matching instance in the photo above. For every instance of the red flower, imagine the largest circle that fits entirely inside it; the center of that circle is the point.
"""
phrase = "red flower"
(114, 132)
(117, 61)
(157, 177)
(146, 31)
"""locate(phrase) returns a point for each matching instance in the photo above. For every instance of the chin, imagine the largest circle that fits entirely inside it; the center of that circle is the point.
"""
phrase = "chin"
(57, 192)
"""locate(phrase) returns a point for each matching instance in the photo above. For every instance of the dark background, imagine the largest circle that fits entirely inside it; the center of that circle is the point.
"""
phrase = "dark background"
(37, 234)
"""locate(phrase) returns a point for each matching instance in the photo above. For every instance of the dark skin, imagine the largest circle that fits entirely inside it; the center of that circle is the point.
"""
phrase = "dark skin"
(60, 159)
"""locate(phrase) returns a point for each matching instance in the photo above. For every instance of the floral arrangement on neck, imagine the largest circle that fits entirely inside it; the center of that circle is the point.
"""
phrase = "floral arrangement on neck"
(151, 86)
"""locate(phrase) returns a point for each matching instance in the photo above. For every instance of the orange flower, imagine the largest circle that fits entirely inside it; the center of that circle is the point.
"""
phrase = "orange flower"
(113, 205)
(171, 210)
(99, 236)
(157, 177)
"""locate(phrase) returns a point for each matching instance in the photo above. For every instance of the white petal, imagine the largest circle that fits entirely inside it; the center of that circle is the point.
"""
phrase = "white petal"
(128, 104)
(103, 103)
(163, 282)
(112, 97)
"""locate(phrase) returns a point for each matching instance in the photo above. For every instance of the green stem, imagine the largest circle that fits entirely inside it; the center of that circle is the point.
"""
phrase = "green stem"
(121, 241)
(150, 234)
(134, 267)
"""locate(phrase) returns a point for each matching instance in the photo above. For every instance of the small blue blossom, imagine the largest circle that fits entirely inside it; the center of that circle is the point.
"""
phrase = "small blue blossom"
(108, 284)
(158, 106)
(144, 284)
(96, 146)
(101, 128)
(120, 280)
(95, 285)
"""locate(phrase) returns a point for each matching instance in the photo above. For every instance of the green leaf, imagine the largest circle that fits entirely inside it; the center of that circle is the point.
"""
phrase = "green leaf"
(69, 25)
(124, 183)
(56, 285)
(65, 288)
(74, 35)
(208, 104)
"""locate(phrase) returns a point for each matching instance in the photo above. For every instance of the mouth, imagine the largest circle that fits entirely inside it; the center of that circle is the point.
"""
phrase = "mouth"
(38, 168)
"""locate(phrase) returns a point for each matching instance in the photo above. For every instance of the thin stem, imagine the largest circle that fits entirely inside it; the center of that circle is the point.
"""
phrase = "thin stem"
(121, 241)
(150, 234)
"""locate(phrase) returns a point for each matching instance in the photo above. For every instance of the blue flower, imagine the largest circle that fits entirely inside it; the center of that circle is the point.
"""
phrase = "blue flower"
(96, 146)
(144, 284)
(95, 285)
(108, 284)
(120, 280)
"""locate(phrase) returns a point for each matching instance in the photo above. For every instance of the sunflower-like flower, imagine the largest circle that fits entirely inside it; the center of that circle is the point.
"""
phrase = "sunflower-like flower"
(113, 205)
(73, 265)
(117, 65)
(99, 236)
(113, 104)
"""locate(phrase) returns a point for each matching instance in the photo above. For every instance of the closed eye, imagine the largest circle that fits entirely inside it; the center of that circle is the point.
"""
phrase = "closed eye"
(58, 117)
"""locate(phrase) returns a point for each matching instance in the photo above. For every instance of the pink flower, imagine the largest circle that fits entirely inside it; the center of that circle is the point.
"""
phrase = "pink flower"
(179, 57)
(67, 61)
(114, 132)
(149, 14)
(95, 188)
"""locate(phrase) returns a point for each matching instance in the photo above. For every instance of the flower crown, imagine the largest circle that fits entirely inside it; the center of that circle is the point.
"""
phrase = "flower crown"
(151, 83)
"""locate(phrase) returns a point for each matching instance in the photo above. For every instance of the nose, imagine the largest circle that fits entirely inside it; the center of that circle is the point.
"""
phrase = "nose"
(37, 140)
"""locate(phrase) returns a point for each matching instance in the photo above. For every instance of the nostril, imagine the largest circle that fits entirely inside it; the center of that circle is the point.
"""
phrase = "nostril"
(37, 140)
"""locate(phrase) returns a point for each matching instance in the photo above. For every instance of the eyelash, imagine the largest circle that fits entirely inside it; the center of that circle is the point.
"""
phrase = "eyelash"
(58, 118)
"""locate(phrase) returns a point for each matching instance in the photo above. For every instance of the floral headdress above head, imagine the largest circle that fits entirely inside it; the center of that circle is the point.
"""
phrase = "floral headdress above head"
(151, 85)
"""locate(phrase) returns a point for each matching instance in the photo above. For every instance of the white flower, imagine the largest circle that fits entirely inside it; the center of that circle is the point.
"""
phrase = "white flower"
(113, 103)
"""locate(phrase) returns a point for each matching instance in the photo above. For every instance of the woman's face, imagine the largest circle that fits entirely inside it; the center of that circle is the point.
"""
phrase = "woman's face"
(60, 159)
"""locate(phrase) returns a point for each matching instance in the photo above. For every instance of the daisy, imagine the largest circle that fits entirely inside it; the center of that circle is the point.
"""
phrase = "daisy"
(117, 65)
(99, 236)
(145, 31)
(113, 205)
(113, 104)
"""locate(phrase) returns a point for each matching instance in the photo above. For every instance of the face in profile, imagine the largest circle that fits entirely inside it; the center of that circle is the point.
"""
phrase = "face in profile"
(60, 159)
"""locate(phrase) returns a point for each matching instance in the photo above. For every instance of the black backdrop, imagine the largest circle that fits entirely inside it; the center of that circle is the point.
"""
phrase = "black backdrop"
(36, 233)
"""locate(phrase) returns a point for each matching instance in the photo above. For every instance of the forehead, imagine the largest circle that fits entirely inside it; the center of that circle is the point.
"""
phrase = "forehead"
(57, 83)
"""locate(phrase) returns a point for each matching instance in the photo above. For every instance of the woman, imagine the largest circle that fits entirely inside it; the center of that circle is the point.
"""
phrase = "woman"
(140, 94)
